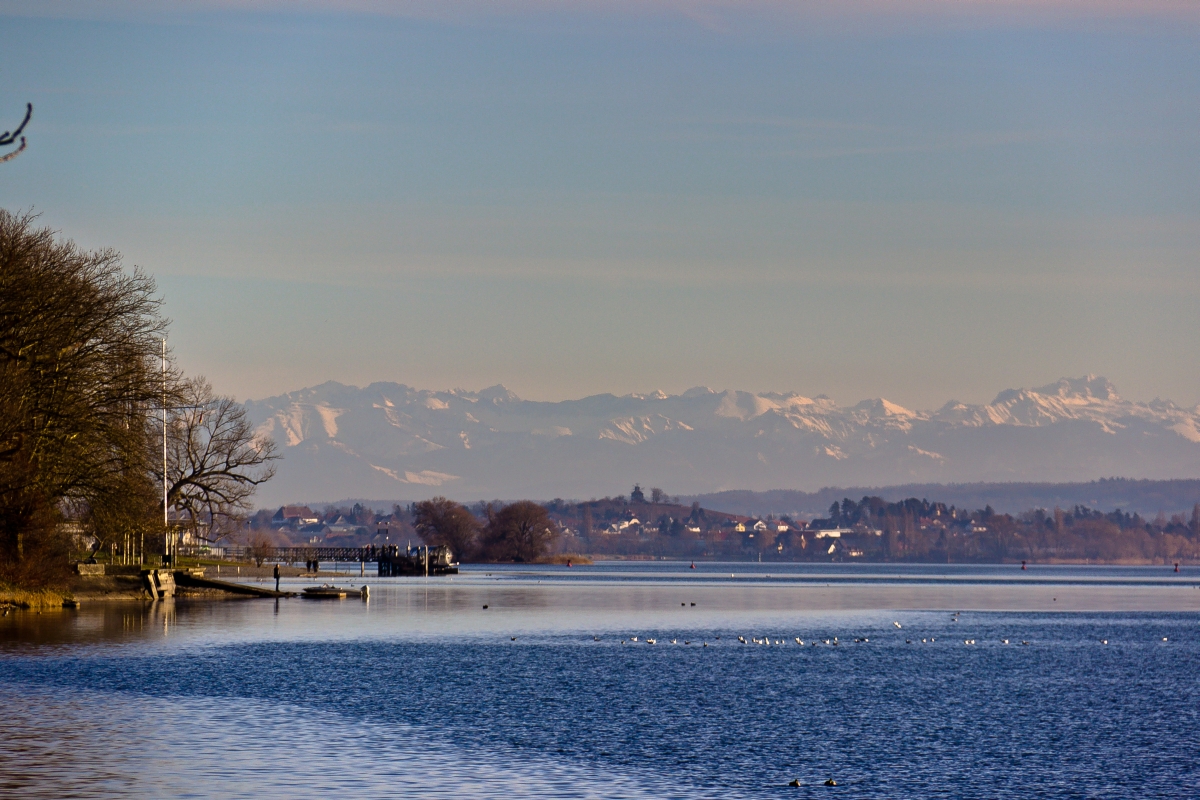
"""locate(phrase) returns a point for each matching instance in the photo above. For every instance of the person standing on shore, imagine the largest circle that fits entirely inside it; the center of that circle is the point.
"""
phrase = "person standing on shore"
(277, 577)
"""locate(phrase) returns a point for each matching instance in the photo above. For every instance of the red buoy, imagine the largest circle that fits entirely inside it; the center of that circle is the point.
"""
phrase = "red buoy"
(568, 562)
(1177, 566)
(694, 566)
(1022, 565)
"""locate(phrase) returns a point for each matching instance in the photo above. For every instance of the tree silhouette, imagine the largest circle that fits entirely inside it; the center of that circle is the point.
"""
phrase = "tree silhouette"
(441, 521)
(519, 532)
(79, 379)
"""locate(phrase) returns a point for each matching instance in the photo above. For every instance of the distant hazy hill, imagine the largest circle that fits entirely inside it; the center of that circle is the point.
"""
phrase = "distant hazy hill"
(1143, 497)
(391, 441)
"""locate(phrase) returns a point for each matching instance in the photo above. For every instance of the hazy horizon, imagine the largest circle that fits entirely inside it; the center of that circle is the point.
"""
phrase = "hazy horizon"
(846, 402)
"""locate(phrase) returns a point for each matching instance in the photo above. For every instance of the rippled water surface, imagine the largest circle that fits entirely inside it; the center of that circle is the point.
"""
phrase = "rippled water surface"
(422, 692)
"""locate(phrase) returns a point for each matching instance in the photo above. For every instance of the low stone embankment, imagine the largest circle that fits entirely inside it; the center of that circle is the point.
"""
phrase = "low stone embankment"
(128, 583)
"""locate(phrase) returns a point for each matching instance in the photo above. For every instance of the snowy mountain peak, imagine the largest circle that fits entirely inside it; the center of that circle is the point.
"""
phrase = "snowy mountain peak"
(1089, 397)
(743, 405)
(497, 394)
(880, 407)
(390, 441)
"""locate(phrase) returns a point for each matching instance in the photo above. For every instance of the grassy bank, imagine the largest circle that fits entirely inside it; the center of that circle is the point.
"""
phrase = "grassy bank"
(32, 599)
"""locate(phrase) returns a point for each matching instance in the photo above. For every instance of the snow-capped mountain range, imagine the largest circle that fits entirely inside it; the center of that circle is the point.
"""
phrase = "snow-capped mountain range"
(389, 441)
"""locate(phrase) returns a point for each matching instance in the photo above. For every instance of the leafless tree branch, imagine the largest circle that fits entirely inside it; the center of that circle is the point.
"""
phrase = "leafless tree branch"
(214, 460)
(9, 137)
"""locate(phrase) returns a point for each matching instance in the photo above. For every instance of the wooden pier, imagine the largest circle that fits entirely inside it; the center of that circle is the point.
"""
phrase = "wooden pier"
(391, 560)
(298, 555)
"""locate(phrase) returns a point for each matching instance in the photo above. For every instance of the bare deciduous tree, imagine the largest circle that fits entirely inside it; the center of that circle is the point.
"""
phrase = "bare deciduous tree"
(79, 375)
(260, 549)
(214, 460)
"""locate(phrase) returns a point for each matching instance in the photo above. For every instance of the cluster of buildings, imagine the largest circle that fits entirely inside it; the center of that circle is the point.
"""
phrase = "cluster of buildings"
(336, 527)
(781, 535)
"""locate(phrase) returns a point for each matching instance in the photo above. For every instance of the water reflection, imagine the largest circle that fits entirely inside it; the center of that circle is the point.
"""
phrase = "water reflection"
(423, 692)
(115, 745)
(610, 599)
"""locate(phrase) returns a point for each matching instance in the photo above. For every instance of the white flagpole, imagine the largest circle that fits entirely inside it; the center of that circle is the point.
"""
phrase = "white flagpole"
(166, 520)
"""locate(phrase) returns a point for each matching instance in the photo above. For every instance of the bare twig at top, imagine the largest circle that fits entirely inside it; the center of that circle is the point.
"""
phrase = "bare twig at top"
(8, 137)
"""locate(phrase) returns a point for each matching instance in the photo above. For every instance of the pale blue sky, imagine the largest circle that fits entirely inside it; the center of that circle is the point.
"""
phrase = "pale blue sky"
(580, 198)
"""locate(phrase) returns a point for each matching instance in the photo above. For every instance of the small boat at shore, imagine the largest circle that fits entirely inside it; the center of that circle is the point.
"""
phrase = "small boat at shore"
(326, 592)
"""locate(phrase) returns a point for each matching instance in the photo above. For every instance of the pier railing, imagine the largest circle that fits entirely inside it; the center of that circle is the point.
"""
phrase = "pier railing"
(289, 555)
(390, 560)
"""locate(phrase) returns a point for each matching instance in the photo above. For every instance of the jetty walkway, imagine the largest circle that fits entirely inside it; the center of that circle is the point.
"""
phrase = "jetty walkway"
(391, 560)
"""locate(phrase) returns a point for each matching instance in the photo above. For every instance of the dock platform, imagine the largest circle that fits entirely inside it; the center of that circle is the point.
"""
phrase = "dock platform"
(187, 578)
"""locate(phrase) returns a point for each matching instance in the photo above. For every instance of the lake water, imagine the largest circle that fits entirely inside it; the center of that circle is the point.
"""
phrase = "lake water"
(421, 692)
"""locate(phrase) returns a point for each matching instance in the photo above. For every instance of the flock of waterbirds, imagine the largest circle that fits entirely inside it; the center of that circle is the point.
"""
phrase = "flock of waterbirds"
(767, 641)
